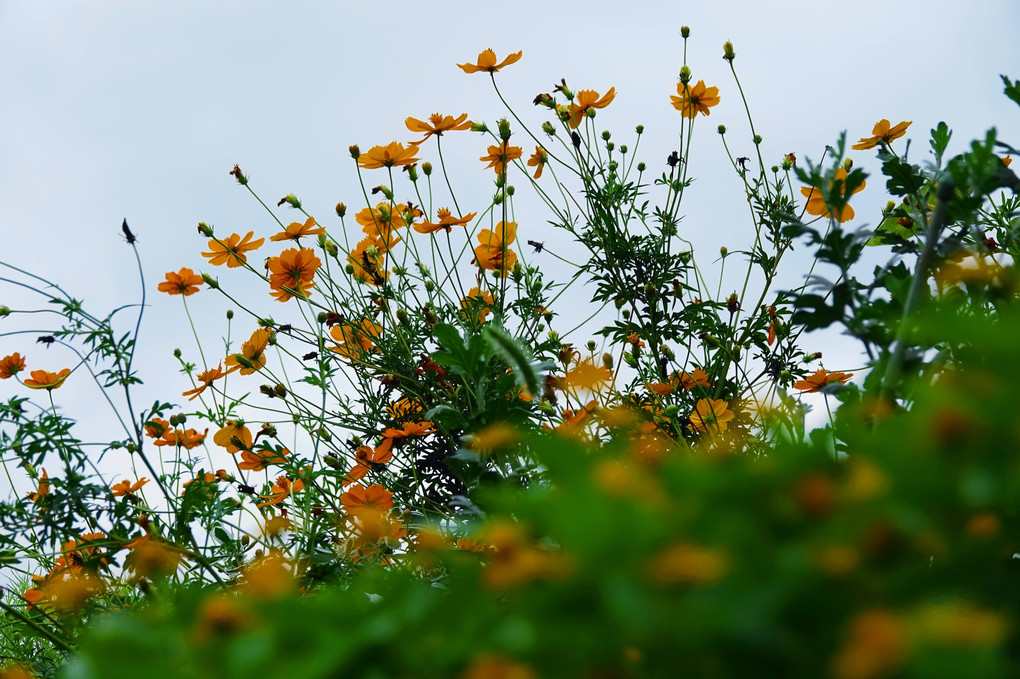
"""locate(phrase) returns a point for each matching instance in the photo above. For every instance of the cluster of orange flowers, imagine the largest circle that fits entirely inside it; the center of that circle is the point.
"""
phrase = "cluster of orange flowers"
(14, 363)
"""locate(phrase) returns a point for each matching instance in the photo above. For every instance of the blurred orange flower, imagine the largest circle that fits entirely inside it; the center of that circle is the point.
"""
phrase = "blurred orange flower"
(259, 460)
(281, 490)
(390, 155)
(184, 282)
(231, 251)
(42, 379)
(180, 438)
(487, 62)
(438, 124)
(883, 134)
(296, 230)
(695, 100)
(476, 299)
(42, 490)
(11, 365)
(500, 156)
(355, 340)
(816, 201)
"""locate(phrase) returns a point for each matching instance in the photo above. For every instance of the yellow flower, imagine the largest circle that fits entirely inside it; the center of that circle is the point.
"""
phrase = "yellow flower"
(816, 200)
(295, 230)
(438, 124)
(231, 251)
(392, 154)
(695, 100)
(883, 134)
(585, 101)
(711, 414)
(487, 62)
(500, 156)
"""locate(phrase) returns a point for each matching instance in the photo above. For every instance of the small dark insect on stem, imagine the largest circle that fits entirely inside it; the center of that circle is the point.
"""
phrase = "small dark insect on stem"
(128, 236)
(535, 244)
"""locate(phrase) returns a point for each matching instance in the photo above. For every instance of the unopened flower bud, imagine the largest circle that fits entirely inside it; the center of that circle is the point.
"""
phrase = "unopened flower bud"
(412, 172)
(639, 129)
(775, 169)
(789, 160)
(177, 353)
(290, 199)
(331, 249)
(5, 311)
(429, 315)
(354, 151)
(205, 229)
(281, 390)
(548, 128)
(623, 148)
(591, 345)
(504, 129)
(630, 359)
(641, 167)
(736, 352)
(349, 269)
(341, 210)
(402, 317)
(685, 31)
(230, 314)
(756, 139)
(426, 168)
(479, 127)
(848, 164)
(324, 434)
(430, 285)
(727, 51)
(721, 129)
(245, 540)
(210, 281)
(723, 251)
(607, 360)
(667, 352)
(685, 74)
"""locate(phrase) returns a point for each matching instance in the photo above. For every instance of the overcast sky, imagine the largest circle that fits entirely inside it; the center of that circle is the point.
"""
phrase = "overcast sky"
(131, 109)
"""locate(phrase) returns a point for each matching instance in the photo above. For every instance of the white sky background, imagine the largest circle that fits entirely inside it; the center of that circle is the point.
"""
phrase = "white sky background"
(139, 110)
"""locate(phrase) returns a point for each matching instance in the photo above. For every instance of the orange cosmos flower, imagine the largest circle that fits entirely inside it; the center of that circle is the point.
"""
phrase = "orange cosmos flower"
(538, 160)
(816, 200)
(585, 101)
(252, 352)
(695, 100)
(294, 269)
(392, 154)
(380, 221)
(500, 156)
(368, 259)
(487, 62)
(42, 490)
(258, 460)
(372, 500)
(233, 430)
(125, 486)
(438, 124)
(356, 340)
(446, 221)
(476, 299)
(179, 438)
(231, 251)
(883, 134)
(492, 253)
(155, 427)
(420, 428)
(42, 379)
(184, 282)
(206, 378)
(281, 490)
(11, 365)
(814, 383)
(296, 230)
(711, 414)
(690, 380)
